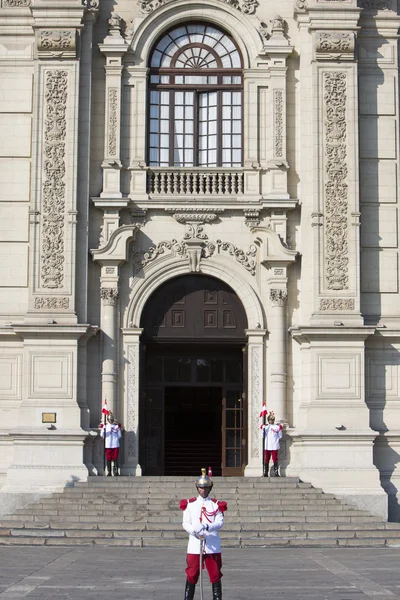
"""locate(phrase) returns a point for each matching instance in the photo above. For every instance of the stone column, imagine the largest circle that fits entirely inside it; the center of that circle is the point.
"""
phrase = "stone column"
(108, 319)
(130, 358)
(276, 400)
(255, 399)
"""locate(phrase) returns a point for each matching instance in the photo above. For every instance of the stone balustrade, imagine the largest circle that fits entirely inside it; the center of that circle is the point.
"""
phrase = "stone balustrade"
(213, 182)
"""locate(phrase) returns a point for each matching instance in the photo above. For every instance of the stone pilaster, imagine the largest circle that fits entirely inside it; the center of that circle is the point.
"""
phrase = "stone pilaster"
(131, 357)
(113, 48)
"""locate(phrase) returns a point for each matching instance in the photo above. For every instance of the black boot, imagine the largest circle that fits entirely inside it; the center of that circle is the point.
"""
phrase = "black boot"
(115, 470)
(217, 590)
(276, 470)
(189, 590)
(109, 468)
(265, 471)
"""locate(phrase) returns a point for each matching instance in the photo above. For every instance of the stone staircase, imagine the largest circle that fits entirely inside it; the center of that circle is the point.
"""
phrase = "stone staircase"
(144, 512)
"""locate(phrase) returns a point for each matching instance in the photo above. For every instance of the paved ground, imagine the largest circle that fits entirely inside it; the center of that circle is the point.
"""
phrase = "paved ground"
(250, 574)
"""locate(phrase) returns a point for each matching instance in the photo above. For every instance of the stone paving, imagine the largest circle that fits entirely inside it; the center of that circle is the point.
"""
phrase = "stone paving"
(40, 573)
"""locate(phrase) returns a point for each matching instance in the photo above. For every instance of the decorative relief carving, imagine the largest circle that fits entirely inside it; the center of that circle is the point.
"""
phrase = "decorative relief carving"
(278, 297)
(53, 192)
(256, 370)
(336, 189)
(109, 296)
(336, 304)
(51, 302)
(278, 125)
(112, 121)
(208, 249)
(252, 217)
(248, 7)
(334, 45)
(114, 24)
(132, 398)
(91, 4)
(300, 5)
(16, 3)
(58, 42)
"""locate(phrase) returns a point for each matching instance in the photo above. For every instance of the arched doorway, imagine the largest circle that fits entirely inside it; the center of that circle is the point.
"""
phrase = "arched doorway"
(193, 400)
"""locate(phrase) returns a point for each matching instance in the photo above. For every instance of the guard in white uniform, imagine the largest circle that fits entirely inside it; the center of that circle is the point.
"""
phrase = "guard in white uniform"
(272, 435)
(203, 517)
(112, 433)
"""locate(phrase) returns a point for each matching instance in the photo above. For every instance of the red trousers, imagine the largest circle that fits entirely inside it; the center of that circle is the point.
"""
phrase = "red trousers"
(213, 563)
(268, 454)
(112, 453)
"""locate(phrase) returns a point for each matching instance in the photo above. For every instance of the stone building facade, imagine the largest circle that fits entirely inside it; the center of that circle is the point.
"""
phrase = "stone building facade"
(199, 212)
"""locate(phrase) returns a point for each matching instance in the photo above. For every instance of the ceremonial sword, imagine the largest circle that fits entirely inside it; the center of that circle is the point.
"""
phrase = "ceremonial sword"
(202, 544)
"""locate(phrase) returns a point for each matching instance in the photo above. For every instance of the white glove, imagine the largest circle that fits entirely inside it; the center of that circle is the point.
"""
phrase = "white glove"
(198, 529)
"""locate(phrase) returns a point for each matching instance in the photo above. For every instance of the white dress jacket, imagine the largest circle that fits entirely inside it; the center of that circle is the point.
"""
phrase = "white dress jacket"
(211, 513)
(273, 433)
(112, 433)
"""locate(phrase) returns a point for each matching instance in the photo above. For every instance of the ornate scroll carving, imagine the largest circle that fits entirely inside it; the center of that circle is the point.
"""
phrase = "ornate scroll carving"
(248, 7)
(334, 45)
(336, 189)
(336, 304)
(256, 371)
(278, 297)
(51, 302)
(109, 296)
(112, 121)
(132, 397)
(16, 3)
(53, 192)
(58, 42)
(278, 124)
(91, 4)
(246, 259)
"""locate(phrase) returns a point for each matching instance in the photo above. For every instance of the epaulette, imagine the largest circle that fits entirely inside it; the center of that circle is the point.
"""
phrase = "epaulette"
(183, 503)
(223, 506)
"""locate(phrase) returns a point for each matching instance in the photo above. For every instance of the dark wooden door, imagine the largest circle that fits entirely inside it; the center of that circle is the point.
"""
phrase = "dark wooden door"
(232, 432)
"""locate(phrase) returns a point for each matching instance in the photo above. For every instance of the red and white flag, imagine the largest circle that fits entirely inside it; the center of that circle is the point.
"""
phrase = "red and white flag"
(263, 412)
(105, 410)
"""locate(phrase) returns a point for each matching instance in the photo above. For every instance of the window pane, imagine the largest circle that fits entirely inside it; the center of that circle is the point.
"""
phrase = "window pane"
(178, 141)
(164, 112)
(227, 80)
(236, 141)
(233, 370)
(236, 126)
(226, 141)
(155, 79)
(189, 126)
(203, 370)
(212, 158)
(154, 138)
(177, 369)
(189, 112)
(226, 112)
(178, 126)
(217, 367)
(237, 157)
(164, 141)
(164, 78)
(178, 98)
(212, 141)
(164, 156)
(189, 158)
(226, 158)
(154, 111)
(178, 112)
(236, 112)
(154, 126)
(212, 128)
(236, 98)
(164, 96)
(153, 155)
(178, 79)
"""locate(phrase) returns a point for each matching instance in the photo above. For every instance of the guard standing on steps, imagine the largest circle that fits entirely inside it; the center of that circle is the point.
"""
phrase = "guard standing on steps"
(112, 433)
(203, 517)
(272, 435)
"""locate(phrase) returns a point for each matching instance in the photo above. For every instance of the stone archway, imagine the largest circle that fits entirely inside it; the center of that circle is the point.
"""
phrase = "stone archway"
(193, 403)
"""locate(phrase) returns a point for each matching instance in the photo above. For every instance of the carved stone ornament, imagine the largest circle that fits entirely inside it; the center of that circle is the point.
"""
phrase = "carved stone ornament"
(251, 217)
(16, 3)
(114, 24)
(53, 189)
(277, 24)
(208, 249)
(109, 296)
(375, 4)
(278, 297)
(56, 43)
(334, 45)
(278, 123)
(300, 5)
(51, 303)
(248, 7)
(336, 187)
(91, 4)
(112, 121)
(336, 304)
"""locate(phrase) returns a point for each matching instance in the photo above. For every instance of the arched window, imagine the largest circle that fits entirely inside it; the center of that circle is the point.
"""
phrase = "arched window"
(195, 99)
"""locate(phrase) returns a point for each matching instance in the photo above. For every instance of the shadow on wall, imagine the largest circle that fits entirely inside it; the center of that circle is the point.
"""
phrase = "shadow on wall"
(382, 364)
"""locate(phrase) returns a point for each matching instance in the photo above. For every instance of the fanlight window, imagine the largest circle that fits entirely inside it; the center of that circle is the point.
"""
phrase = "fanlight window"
(195, 99)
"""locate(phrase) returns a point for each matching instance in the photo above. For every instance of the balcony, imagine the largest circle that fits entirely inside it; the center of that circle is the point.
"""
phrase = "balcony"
(197, 181)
